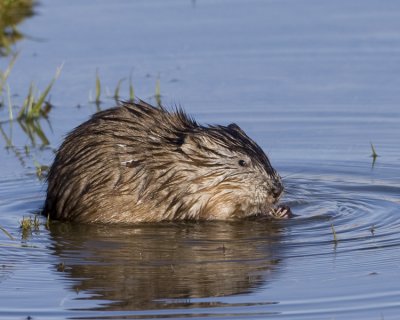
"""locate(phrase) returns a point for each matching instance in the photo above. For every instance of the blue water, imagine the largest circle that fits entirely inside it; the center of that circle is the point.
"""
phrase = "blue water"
(313, 82)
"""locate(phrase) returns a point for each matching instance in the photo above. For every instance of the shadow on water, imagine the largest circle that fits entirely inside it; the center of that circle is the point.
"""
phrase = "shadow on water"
(167, 265)
(13, 13)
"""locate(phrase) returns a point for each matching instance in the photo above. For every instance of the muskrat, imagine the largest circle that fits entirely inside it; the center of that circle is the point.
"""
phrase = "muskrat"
(140, 163)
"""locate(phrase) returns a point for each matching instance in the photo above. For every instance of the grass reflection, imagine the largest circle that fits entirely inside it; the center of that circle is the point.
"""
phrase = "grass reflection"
(12, 13)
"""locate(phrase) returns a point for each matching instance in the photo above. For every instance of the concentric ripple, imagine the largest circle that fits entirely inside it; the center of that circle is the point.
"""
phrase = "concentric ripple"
(363, 213)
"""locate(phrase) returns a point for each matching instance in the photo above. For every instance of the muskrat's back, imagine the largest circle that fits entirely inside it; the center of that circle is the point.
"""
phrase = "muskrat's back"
(139, 163)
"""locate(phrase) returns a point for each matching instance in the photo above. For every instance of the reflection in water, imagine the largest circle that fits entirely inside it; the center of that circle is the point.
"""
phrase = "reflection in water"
(143, 267)
(11, 14)
(33, 130)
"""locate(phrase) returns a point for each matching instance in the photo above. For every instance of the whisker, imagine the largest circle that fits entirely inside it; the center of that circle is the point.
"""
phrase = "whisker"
(289, 192)
(291, 175)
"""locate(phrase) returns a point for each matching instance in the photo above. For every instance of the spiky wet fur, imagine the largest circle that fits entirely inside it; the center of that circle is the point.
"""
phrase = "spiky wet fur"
(139, 163)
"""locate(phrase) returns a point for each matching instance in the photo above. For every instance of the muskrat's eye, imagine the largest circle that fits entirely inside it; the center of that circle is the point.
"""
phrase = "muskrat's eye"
(242, 163)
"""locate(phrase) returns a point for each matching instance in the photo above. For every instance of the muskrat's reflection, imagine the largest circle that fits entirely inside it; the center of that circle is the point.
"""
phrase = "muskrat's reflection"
(133, 267)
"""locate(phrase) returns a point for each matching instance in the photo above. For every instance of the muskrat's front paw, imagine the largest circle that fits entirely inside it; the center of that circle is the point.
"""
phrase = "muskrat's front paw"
(280, 212)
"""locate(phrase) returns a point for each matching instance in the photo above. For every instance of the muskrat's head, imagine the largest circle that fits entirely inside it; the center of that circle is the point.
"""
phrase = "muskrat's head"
(230, 175)
(212, 172)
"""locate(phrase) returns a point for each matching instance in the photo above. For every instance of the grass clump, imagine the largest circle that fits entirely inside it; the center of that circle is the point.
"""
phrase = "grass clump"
(116, 95)
(35, 104)
(28, 224)
(33, 108)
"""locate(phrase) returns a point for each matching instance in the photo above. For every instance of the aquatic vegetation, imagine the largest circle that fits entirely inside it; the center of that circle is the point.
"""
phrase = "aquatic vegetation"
(33, 130)
(60, 267)
(157, 95)
(41, 170)
(117, 89)
(7, 139)
(131, 89)
(35, 105)
(33, 108)
(98, 88)
(10, 105)
(12, 13)
(116, 95)
(7, 233)
(335, 239)
(29, 223)
(374, 155)
(3, 83)
(5, 74)
(97, 99)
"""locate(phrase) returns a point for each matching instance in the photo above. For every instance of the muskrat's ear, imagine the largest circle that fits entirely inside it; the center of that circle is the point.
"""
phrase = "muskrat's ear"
(180, 140)
(235, 127)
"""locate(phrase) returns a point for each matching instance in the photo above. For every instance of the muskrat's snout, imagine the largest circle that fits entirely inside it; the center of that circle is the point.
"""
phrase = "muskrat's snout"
(272, 190)
(278, 211)
(277, 190)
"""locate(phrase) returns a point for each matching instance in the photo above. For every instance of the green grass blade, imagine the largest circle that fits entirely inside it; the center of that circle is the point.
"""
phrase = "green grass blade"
(4, 75)
(374, 154)
(35, 112)
(7, 233)
(10, 112)
(158, 92)
(10, 66)
(117, 89)
(27, 103)
(98, 87)
(131, 89)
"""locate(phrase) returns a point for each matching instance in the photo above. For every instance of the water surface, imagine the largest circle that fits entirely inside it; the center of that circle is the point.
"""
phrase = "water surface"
(313, 82)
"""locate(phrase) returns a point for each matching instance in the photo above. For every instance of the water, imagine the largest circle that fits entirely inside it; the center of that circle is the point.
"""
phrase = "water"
(313, 82)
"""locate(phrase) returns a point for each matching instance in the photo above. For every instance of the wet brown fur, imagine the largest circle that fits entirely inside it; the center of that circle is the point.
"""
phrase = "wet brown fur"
(139, 163)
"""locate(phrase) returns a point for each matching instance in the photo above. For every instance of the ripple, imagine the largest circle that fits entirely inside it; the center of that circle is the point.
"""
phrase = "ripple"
(364, 214)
